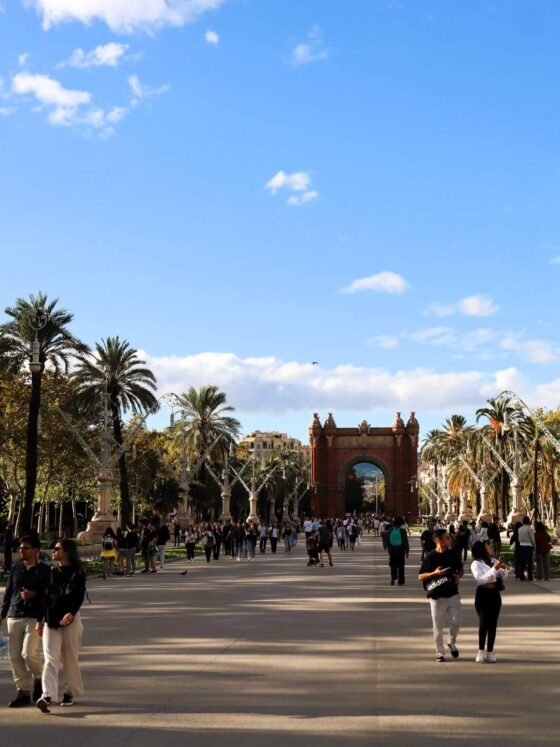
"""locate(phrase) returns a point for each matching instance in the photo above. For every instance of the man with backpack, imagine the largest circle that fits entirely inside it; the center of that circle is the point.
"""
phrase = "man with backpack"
(398, 548)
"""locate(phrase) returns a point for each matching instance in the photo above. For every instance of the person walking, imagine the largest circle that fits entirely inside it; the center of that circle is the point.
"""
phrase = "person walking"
(176, 532)
(440, 574)
(109, 552)
(263, 537)
(274, 538)
(489, 574)
(514, 544)
(526, 539)
(251, 538)
(208, 542)
(163, 537)
(132, 546)
(121, 551)
(62, 633)
(216, 529)
(23, 607)
(287, 536)
(462, 540)
(398, 549)
(324, 541)
(543, 547)
(190, 542)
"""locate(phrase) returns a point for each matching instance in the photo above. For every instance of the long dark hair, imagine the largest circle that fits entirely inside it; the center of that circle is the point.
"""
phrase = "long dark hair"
(70, 548)
(480, 551)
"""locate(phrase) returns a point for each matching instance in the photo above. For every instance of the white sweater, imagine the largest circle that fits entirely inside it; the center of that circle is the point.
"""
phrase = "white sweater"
(485, 574)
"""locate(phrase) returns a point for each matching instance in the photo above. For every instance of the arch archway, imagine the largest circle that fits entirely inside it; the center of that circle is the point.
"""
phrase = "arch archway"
(335, 451)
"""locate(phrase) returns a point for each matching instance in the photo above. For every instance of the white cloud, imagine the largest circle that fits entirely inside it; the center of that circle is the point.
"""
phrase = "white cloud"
(302, 199)
(48, 91)
(383, 282)
(268, 384)
(212, 37)
(140, 92)
(105, 55)
(23, 58)
(437, 336)
(122, 16)
(65, 107)
(387, 342)
(440, 310)
(311, 50)
(298, 182)
(533, 351)
(476, 305)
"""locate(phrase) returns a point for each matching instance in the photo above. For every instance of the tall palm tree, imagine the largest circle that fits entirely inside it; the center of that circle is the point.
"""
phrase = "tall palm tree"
(204, 421)
(431, 453)
(115, 372)
(56, 347)
(203, 418)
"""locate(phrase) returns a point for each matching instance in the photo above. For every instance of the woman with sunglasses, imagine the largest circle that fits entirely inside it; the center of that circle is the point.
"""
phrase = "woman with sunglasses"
(62, 634)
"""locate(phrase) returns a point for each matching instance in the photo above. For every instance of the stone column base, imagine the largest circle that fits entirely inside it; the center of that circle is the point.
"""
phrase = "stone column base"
(96, 528)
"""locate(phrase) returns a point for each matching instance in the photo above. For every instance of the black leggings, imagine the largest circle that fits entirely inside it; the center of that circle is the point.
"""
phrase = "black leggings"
(488, 603)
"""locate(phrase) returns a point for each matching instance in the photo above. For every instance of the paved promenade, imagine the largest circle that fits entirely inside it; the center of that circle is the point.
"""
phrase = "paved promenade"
(274, 653)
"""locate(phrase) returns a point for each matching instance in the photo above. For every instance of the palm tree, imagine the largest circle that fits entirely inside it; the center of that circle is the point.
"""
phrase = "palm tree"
(501, 415)
(431, 453)
(56, 346)
(203, 420)
(204, 424)
(115, 372)
(288, 464)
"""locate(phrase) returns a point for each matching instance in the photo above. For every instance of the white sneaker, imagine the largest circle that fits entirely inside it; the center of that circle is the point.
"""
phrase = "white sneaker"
(480, 657)
(491, 657)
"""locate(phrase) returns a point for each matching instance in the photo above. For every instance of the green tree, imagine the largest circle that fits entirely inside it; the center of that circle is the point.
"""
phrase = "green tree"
(56, 346)
(115, 373)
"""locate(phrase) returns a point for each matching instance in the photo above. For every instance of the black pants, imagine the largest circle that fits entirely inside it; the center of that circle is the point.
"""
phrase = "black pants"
(190, 550)
(273, 543)
(396, 563)
(487, 603)
(262, 544)
(217, 551)
(525, 555)
(208, 552)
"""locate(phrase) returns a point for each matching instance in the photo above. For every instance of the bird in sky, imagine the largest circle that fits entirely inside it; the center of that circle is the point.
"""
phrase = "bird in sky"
(314, 363)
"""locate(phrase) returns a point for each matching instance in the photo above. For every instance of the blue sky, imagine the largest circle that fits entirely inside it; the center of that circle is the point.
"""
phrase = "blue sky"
(242, 187)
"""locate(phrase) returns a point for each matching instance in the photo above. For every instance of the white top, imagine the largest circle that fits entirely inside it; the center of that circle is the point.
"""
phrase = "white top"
(485, 574)
(307, 525)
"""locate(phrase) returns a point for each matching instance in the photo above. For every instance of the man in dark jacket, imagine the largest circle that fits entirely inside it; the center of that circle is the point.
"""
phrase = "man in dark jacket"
(398, 549)
(163, 537)
(23, 606)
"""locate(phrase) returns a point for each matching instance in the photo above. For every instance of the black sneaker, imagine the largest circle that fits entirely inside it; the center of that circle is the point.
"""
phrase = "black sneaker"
(440, 658)
(22, 699)
(454, 650)
(67, 700)
(37, 690)
(44, 705)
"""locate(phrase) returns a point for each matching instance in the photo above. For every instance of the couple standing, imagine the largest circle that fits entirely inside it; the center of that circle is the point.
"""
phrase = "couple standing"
(440, 572)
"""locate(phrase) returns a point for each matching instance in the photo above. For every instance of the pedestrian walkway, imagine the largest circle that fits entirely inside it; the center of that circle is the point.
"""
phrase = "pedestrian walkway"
(274, 653)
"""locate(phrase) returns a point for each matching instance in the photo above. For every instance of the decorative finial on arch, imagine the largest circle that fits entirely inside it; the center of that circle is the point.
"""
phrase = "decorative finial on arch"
(398, 423)
(329, 422)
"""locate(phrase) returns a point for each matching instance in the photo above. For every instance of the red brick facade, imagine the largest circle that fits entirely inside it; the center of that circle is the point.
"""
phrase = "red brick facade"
(335, 450)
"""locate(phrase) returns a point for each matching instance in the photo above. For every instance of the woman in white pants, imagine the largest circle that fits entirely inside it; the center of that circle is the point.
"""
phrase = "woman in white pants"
(62, 634)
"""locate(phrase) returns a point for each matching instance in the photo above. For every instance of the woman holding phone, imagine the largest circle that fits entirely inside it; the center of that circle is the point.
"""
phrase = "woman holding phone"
(489, 573)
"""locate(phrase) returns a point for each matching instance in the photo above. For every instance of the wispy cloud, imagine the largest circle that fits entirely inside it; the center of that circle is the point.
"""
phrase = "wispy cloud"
(212, 37)
(299, 182)
(531, 350)
(74, 108)
(105, 55)
(122, 16)
(23, 58)
(476, 305)
(140, 91)
(310, 50)
(383, 282)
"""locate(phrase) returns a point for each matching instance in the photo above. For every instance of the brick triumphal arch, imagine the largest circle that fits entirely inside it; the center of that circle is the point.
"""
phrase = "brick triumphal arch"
(334, 451)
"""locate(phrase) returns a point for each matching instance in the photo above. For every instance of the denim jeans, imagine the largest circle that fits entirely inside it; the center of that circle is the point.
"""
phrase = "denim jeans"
(161, 552)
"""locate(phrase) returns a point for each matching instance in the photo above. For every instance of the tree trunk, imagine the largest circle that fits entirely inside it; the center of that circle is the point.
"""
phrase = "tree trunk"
(535, 502)
(505, 495)
(126, 503)
(554, 497)
(26, 513)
